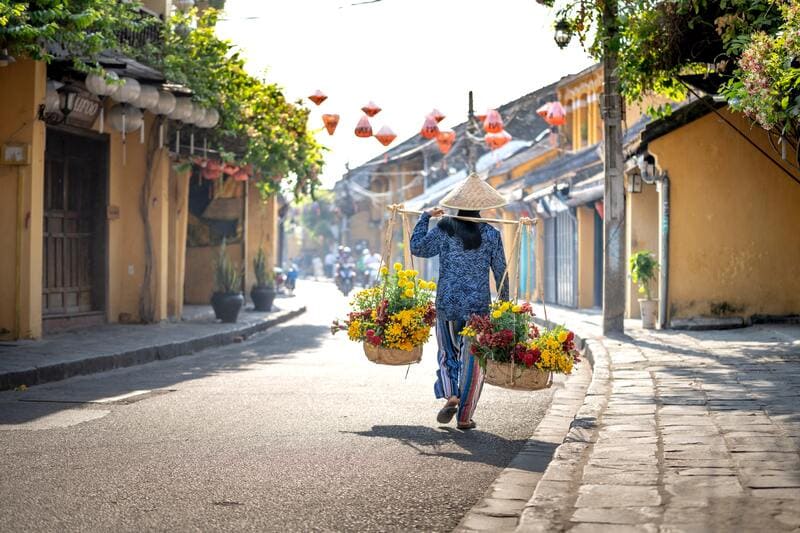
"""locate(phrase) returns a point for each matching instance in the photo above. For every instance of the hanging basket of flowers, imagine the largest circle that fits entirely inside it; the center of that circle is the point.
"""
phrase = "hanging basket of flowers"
(392, 320)
(514, 353)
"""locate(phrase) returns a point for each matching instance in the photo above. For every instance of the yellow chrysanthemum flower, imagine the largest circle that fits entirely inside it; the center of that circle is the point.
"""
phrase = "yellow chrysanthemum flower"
(398, 267)
(516, 308)
(497, 314)
(562, 336)
(384, 271)
(409, 293)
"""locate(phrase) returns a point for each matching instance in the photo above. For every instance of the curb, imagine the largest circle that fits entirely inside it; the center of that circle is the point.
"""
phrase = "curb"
(502, 505)
(147, 354)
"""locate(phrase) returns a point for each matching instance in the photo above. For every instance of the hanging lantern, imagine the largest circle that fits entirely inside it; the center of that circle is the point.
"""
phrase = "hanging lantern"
(197, 116)
(183, 109)
(99, 85)
(148, 98)
(371, 109)
(497, 140)
(430, 129)
(445, 140)
(318, 97)
(241, 175)
(330, 121)
(543, 110)
(128, 92)
(493, 122)
(125, 118)
(363, 128)
(556, 116)
(437, 115)
(52, 101)
(230, 169)
(166, 103)
(211, 173)
(184, 5)
(481, 116)
(211, 118)
(385, 135)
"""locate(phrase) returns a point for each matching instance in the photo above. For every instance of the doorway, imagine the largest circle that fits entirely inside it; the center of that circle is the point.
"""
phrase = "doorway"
(74, 232)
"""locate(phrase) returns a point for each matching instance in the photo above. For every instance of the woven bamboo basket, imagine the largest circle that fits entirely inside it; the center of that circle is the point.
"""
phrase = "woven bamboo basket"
(388, 356)
(510, 376)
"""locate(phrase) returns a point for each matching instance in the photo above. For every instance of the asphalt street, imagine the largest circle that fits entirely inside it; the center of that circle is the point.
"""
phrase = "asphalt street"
(291, 430)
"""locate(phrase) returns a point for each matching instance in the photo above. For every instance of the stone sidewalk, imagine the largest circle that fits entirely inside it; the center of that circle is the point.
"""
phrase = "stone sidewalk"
(678, 431)
(98, 349)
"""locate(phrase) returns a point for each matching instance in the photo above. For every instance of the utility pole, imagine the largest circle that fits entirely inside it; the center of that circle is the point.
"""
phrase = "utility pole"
(614, 278)
(467, 130)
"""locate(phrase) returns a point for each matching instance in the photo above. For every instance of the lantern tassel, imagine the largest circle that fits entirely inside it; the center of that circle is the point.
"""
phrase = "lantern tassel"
(102, 117)
(161, 135)
(191, 143)
(178, 142)
(141, 133)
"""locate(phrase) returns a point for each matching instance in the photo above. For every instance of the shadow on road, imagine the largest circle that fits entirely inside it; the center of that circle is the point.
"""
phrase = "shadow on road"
(47, 399)
(478, 446)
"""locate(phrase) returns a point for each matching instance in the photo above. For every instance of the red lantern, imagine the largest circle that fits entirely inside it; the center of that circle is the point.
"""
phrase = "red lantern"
(493, 122)
(437, 115)
(430, 129)
(330, 121)
(213, 164)
(212, 170)
(363, 128)
(318, 97)
(230, 169)
(556, 116)
(445, 140)
(385, 135)
(371, 109)
(543, 110)
(241, 176)
(497, 140)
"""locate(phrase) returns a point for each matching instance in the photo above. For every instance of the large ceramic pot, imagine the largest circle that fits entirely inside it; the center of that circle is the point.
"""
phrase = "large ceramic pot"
(227, 305)
(262, 297)
(649, 309)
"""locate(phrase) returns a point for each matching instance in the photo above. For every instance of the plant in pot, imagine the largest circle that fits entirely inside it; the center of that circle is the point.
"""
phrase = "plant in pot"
(263, 292)
(227, 299)
(644, 267)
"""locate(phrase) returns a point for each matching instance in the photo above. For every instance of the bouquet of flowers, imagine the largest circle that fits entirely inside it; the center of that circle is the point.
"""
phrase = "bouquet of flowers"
(393, 319)
(514, 352)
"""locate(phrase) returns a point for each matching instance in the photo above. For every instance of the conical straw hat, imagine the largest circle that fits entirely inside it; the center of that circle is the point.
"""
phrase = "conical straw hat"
(473, 194)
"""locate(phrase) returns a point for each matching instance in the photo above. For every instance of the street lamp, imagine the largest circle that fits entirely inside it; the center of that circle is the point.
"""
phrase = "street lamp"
(563, 33)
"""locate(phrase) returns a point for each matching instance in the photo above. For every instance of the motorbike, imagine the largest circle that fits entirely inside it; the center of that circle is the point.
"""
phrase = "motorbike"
(346, 278)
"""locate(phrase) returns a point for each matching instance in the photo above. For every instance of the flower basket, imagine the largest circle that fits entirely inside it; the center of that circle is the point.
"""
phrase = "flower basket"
(392, 320)
(391, 356)
(517, 377)
(514, 353)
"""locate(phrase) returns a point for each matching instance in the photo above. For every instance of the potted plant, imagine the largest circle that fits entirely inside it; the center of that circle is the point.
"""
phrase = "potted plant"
(227, 299)
(644, 267)
(263, 292)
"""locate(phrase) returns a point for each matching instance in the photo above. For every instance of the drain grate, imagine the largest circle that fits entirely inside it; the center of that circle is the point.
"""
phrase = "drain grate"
(121, 399)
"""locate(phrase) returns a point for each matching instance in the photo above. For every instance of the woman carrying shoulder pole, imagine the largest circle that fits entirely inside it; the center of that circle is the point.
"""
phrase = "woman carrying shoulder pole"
(467, 252)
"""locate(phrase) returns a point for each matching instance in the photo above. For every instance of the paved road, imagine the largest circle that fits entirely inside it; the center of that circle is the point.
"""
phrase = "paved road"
(291, 430)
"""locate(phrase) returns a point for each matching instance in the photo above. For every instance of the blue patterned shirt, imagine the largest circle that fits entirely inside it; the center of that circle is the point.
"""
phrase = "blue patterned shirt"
(463, 287)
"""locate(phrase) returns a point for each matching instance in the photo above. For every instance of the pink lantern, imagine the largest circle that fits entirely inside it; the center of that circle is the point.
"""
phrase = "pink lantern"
(371, 109)
(363, 128)
(430, 129)
(493, 122)
(497, 140)
(318, 97)
(385, 135)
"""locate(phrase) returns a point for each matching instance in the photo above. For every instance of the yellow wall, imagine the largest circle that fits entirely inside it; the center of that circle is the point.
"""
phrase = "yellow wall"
(734, 222)
(178, 221)
(261, 231)
(200, 262)
(642, 233)
(586, 253)
(22, 86)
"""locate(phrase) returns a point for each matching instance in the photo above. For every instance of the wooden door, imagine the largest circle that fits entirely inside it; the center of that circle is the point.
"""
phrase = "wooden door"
(74, 224)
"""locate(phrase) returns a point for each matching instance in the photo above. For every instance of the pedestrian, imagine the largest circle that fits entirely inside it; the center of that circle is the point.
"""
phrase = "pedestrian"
(316, 266)
(330, 261)
(467, 251)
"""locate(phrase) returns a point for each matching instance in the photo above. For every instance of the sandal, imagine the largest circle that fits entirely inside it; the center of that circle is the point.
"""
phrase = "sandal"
(469, 425)
(446, 413)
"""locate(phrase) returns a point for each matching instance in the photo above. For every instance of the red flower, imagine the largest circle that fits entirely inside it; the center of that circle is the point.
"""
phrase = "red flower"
(570, 336)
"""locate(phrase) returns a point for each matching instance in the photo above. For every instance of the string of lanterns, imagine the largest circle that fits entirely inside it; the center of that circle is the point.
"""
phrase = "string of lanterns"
(492, 122)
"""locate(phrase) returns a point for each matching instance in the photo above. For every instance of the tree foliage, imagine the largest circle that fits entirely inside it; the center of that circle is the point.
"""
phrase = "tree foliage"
(739, 40)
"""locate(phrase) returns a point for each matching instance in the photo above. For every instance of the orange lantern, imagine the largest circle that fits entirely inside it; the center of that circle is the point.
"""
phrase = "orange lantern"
(543, 110)
(430, 129)
(363, 128)
(230, 169)
(241, 176)
(212, 170)
(437, 115)
(385, 135)
(493, 122)
(318, 97)
(497, 140)
(445, 140)
(331, 120)
(371, 109)
(481, 117)
(556, 116)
